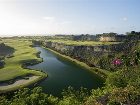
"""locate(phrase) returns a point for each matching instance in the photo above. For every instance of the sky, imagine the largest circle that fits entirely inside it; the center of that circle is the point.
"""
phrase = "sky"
(28, 17)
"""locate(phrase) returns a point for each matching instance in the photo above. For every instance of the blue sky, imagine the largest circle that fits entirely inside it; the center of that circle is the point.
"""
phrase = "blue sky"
(68, 16)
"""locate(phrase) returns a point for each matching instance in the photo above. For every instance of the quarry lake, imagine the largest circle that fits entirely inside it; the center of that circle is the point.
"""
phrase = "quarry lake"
(63, 73)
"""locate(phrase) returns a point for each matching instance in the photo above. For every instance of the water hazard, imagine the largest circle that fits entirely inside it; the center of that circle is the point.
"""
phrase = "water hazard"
(63, 73)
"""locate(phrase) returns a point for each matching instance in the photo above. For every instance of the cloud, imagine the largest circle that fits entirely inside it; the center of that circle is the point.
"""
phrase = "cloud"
(55, 21)
(49, 18)
(65, 22)
(124, 18)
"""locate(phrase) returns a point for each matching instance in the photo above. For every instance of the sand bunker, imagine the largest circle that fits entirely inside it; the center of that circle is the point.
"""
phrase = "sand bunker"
(18, 82)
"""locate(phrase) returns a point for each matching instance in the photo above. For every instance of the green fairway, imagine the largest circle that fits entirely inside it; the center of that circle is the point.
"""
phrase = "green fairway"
(85, 43)
(13, 66)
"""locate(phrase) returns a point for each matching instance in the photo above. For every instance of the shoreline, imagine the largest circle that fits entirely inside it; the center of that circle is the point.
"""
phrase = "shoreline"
(102, 73)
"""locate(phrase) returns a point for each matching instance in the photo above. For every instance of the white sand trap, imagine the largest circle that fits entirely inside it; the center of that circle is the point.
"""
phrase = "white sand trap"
(18, 83)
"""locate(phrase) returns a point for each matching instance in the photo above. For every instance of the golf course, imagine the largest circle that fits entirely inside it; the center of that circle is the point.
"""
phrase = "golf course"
(14, 74)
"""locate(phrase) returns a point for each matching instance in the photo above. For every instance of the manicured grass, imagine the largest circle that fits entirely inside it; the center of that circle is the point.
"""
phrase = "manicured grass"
(13, 66)
(87, 43)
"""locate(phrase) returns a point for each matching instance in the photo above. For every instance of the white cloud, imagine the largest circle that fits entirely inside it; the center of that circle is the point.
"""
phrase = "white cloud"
(124, 18)
(65, 22)
(49, 18)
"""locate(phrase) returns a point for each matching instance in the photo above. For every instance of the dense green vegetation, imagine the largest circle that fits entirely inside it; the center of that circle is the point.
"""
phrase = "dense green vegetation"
(122, 86)
(24, 55)
(98, 59)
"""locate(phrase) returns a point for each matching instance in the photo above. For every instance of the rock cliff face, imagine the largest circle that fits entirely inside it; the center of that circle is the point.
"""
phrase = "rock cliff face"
(118, 38)
(89, 54)
(107, 39)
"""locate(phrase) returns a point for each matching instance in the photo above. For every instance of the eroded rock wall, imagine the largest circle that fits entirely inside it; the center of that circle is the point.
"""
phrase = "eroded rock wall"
(88, 53)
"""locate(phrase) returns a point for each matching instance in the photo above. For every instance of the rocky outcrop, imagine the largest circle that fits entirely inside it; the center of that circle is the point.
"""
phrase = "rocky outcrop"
(107, 39)
(88, 53)
(118, 38)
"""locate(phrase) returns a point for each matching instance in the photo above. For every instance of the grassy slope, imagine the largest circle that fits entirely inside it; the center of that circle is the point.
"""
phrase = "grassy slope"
(13, 65)
(88, 43)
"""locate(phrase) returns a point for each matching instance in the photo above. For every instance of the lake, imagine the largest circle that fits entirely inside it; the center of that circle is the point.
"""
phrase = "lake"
(63, 73)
